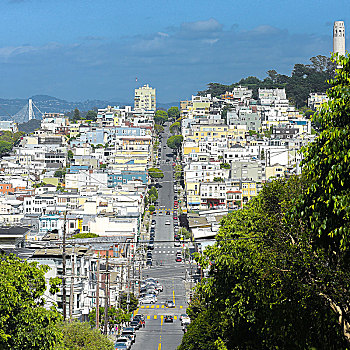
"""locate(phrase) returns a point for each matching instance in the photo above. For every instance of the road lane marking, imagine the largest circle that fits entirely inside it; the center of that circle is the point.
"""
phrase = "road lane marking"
(152, 307)
(174, 296)
(157, 306)
(175, 317)
(159, 346)
(148, 317)
(147, 307)
(181, 307)
(136, 311)
(161, 320)
(143, 306)
(162, 306)
(155, 317)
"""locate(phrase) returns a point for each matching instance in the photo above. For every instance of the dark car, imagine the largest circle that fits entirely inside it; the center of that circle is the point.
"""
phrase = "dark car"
(149, 262)
(178, 259)
(136, 324)
(175, 198)
(139, 317)
(168, 318)
(168, 212)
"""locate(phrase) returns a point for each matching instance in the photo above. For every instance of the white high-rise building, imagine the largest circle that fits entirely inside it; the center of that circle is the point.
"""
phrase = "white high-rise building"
(145, 98)
(339, 38)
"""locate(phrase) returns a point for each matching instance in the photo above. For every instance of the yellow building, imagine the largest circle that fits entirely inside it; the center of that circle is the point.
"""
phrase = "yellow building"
(202, 132)
(276, 170)
(145, 98)
(249, 190)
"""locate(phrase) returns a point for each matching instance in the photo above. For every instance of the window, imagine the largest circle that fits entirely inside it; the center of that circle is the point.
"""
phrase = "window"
(71, 225)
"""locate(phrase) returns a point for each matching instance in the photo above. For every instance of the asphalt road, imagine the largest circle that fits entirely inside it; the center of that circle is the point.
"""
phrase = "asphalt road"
(157, 334)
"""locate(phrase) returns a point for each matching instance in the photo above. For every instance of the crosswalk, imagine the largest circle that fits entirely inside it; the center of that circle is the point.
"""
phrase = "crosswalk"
(159, 307)
(156, 316)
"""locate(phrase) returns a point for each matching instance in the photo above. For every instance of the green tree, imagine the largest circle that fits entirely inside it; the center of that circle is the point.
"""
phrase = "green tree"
(225, 166)
(175, 128)
(325, 206)
(70, 155)
(175, 142)
(116, 316)
(60, 173)
(76, 115)
(85, 235)
(218, 179)
(173, 113)
(24, 321)
(79, 336)
(152, 208)
(261, 290)
(155, 173)
(152, 195)
(160, 117)
(5, 147)
(91, 115)
(158, 128)
(133, 302)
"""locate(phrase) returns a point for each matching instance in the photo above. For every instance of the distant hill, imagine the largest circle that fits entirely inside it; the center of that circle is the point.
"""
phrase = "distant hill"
(17, 108)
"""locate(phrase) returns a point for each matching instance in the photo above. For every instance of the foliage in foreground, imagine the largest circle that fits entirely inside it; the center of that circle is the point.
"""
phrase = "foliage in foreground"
(24, 322)
(80, 336)
(261, 292)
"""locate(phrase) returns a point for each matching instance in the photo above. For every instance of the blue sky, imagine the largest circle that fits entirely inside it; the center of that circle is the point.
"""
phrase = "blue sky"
(83, 49)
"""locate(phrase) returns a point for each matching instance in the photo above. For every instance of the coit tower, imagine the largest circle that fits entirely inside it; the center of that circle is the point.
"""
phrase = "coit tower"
(339, 38)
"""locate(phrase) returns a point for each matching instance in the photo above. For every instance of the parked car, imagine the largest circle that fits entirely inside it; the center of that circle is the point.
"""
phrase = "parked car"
(120, 346)
(148, 299)
(167, 222)
(178, 259)
(168, 212)
(125, 340)
(136, 324)
(168, 318)
(169, 303)
(185, 320)
(177, 243)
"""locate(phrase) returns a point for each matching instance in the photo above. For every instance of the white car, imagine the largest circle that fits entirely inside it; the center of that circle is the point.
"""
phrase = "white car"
(125, 340)
(148, 300)
(167, 222)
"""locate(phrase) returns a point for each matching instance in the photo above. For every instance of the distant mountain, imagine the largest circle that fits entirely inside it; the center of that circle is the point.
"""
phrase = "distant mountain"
(17, 109)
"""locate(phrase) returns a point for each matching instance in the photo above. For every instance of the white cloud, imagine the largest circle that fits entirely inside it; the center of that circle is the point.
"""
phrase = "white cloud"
(210, 25)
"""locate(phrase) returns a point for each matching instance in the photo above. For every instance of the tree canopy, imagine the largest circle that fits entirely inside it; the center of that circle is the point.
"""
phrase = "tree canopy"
(24, 322)
(175, 142)
(155, 173)
(91, 115)
(158, 128)
(79, 336)
(173, 113)
(175, 127)
(160, 117)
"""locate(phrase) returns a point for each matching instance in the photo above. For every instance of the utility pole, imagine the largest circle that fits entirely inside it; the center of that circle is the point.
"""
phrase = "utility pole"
(140, 276)
(98, 293)
(64, 292)
(128, 283)
(71, 296)
(121, 286)
(106, 294)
